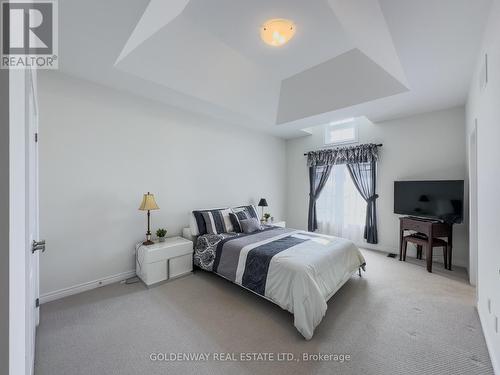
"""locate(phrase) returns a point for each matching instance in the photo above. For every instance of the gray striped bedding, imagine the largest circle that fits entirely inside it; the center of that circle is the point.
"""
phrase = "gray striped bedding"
(297, 270)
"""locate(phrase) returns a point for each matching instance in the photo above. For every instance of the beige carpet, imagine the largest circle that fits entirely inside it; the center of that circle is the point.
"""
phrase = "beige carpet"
(396, 319)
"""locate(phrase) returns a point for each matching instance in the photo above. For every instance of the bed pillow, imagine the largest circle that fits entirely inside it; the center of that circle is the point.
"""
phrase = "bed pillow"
(242, 213)
(199, 227)
(250, 211)
(217, 221)
(250, 225)
(236, 218)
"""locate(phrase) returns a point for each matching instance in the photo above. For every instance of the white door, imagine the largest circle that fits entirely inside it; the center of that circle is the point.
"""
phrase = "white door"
(23, 221)
(34, 244)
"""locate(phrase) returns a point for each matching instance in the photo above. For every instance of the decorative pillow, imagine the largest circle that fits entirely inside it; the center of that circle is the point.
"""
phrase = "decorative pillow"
(219, 221)
(250, 211)
(242, 213)
(250, 225)
(236, 219)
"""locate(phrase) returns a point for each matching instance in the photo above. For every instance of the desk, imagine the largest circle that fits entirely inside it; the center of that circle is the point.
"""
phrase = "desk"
(432, 229)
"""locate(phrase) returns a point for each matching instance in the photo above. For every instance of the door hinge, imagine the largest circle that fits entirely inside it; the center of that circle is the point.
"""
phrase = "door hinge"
(37, 302)
(36, 137)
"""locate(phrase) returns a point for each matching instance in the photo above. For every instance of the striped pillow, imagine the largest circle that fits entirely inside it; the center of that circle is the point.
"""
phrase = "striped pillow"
(236, 220)
(243, 213)
(250, 210)
(197, 222)
(217, 221)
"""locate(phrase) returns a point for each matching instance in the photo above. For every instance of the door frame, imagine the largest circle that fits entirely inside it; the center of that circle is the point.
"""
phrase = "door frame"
(473, 228)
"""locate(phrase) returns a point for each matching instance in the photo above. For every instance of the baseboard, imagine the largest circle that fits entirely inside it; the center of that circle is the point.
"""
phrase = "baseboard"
(489, 343)
(61, 293)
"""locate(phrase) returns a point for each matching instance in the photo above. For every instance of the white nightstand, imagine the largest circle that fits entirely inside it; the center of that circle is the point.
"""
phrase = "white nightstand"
(281, 224)
(164, 260)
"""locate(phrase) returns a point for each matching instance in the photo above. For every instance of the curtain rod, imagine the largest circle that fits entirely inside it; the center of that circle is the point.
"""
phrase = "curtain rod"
(378, 145)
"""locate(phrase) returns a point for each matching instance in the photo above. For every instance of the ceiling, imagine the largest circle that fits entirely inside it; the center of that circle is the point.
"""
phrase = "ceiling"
(380, 59)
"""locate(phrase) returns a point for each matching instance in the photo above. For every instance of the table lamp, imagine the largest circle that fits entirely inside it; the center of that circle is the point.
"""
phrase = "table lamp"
(262, 203)
(148, 204)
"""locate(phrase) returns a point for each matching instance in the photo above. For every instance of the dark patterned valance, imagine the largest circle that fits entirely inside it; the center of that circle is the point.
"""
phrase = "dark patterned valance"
(344, 155)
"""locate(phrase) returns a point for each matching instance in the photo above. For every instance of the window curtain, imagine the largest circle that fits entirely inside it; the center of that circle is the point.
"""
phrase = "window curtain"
(361, 161)
(364, 176)
(341, 210)
(365, 153)
(318, 176)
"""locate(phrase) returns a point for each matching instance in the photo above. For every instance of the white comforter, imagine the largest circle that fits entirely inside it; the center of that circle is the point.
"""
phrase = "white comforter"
(300, 278)
(303, 278)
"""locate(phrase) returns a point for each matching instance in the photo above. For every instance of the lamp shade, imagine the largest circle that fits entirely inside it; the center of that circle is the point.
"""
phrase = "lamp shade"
(262, 202)
(148, 203)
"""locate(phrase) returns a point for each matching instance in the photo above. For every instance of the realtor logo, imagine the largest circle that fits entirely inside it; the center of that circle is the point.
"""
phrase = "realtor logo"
(29, 34)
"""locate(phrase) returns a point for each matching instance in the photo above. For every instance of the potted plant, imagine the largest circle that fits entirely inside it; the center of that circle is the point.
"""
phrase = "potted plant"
(267, 216)
(161, 233)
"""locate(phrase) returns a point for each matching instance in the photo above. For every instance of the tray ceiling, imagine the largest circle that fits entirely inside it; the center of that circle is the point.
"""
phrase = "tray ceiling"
(347, 57)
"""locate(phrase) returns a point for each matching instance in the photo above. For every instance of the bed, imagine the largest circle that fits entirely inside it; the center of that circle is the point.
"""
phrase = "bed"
(299, 271)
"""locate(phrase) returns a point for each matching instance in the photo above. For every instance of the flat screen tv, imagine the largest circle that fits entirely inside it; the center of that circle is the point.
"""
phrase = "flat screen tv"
(443, 200)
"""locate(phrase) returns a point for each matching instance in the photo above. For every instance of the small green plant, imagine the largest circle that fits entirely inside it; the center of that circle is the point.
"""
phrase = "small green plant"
(267, 216)
(161, 233)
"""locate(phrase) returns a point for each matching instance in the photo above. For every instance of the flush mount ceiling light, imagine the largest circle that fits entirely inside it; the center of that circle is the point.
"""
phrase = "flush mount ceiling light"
(277, 32)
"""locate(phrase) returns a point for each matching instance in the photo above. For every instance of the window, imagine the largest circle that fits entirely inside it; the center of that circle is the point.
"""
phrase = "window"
(340, 208)
(342, 132)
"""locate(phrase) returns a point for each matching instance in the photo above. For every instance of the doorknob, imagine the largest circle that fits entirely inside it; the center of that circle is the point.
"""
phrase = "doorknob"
(37, 246)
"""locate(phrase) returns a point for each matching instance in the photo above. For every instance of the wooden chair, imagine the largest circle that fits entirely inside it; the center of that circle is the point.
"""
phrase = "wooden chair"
(421, 242)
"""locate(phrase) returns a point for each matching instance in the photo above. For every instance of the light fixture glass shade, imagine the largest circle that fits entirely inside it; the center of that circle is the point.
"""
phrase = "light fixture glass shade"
(148, 203)
(277, 32)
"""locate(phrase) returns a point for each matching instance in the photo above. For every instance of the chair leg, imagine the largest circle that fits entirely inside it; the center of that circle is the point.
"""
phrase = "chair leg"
(404, 251)
(419, 251)
(449, 257)
(445, 255)
(428, 257)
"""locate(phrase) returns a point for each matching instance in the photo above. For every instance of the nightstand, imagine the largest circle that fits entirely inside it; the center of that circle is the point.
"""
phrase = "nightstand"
(281, 224)
(164, 261)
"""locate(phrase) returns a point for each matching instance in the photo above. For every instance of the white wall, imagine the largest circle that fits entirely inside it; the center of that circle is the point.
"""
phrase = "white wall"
(484, 105)
(428, 146)
(101, 149)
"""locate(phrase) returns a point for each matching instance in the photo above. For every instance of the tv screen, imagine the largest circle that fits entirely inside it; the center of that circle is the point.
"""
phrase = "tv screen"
(441, 200)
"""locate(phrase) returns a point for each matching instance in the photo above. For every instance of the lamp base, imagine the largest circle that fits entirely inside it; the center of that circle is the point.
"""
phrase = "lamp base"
(148, 242)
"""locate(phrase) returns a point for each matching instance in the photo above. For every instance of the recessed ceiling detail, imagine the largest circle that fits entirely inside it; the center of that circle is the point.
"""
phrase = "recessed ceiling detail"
(206, 50)
(379, 58)
(365, 23)
(277, 32)
(316, 90)
(157, 14)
